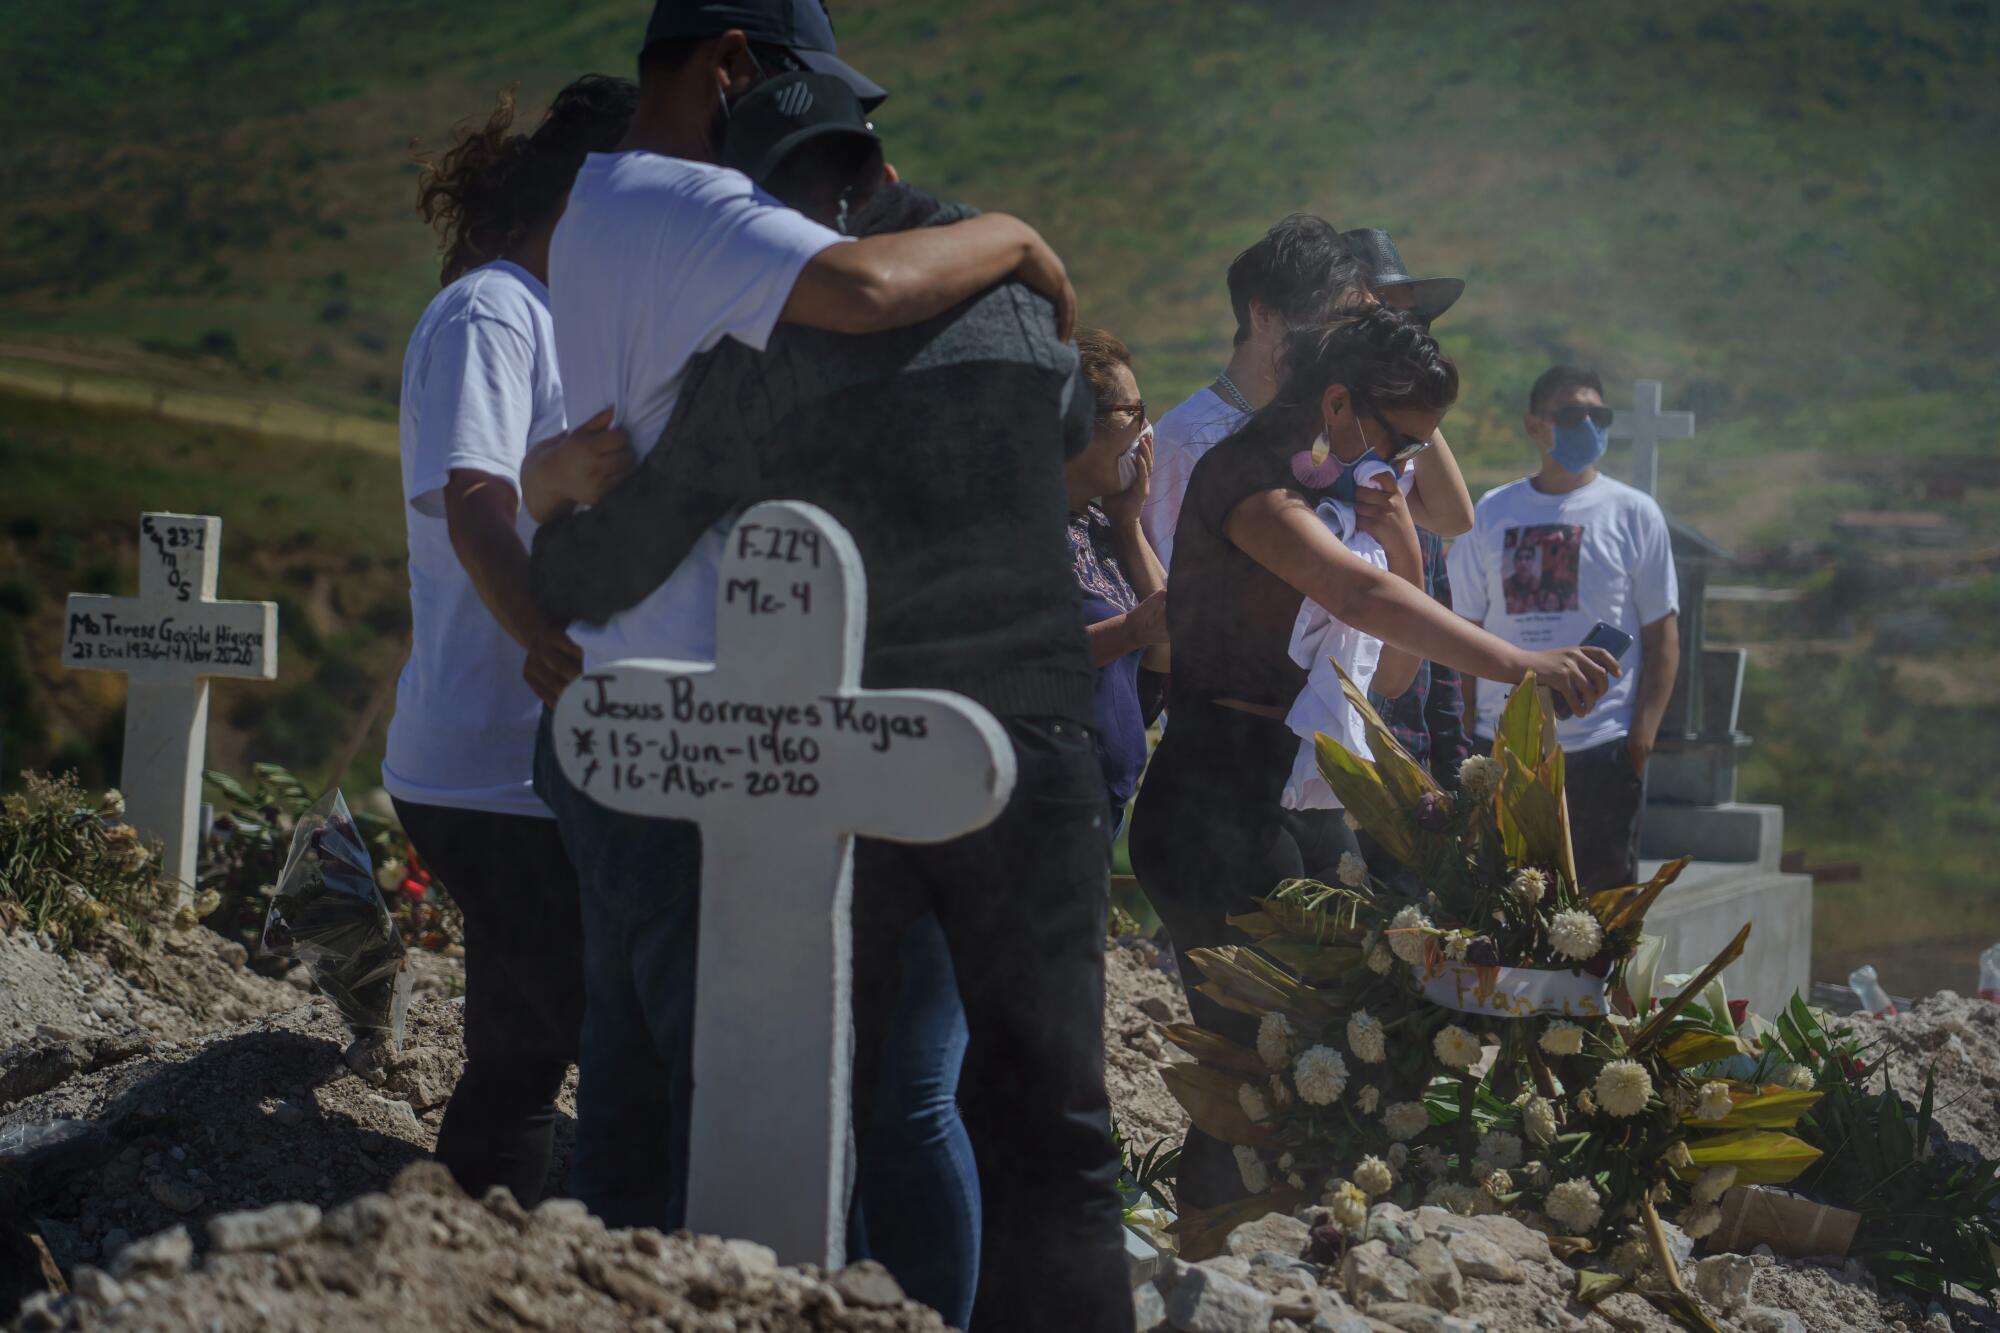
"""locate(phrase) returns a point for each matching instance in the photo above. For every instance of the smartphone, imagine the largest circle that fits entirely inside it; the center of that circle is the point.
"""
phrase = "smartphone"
(1608, 637)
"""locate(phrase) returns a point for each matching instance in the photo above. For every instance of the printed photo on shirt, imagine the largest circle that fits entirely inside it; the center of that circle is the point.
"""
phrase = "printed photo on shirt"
(1539, 568)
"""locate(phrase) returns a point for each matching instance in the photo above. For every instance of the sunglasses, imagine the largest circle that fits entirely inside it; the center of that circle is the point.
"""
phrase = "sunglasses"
(1138, 409)
(1572, 414)
(1402, 447)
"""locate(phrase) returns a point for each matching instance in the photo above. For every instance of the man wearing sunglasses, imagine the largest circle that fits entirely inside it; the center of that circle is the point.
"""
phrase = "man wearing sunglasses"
(1551, 556)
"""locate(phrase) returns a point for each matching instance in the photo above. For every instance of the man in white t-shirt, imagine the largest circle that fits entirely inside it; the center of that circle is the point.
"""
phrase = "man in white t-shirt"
(1548, 558)
(661, 255)
(1301, 273)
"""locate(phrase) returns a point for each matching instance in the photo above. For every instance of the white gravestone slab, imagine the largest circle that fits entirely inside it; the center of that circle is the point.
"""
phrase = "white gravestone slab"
(781, 758)
(1646, 425)
(167, 641)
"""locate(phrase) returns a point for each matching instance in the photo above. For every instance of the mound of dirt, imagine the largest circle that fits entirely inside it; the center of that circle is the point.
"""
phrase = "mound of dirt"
(265, 1111)
(1140, 998)
(422, 1255)
(1961, 1037)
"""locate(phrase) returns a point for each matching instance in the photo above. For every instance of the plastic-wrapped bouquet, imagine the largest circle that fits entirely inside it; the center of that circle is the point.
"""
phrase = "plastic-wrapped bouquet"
(1490, 1043)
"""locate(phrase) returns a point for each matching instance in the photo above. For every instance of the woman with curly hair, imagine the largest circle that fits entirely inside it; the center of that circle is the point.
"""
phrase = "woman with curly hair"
(1209, 834)
(480, 383)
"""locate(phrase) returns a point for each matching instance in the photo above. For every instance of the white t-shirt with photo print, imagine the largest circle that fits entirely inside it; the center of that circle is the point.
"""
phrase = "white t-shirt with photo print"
(1540, 571)
(655, 260)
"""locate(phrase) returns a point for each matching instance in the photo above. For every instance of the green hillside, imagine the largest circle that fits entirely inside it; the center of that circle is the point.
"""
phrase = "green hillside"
(1766, 205)
(1787, 211)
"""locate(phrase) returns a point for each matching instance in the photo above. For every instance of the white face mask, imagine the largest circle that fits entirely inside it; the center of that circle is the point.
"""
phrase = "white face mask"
(1128, 462)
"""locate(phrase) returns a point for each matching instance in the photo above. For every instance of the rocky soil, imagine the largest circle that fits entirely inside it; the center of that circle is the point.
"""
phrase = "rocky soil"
(195, 1151)
(1962, 1036)
(423, 1256)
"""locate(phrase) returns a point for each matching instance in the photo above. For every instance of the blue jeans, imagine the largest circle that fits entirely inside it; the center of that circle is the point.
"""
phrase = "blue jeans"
(639, 882)
(918, 1190)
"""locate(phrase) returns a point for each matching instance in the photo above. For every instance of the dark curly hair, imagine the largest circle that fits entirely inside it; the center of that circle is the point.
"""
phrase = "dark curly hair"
(1385, 357)
(492, 187)
(1301, 268)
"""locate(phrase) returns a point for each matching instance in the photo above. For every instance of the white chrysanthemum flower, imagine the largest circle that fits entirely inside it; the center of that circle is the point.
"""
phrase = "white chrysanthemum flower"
(1353, 871)
(1349, 1206)
(1528, 886)
(1252, 1102)
(1574, 1205)
(1431, 1159)
(1500, 1149)
(1256, 1177)
(1576, 934)
(1562, 1038)
(1714, 1102)
(389, 875)
(1701, 1220)
(1623, 1086)
(1456, 1047)
(1405, 1120)
(1455, 944)
(1498, 1182)
(111, 806)
(1281, 1091)
(1678, 1156)
(1398, 1156)
(1373, 1176)
(1408, 930)
(1274, 1040)
(1712, 1184)
(1367, 1099)
(1586, 1103)
(1380, 958)
(1796, 1077)
(1366, 1039)
(1320, 1075)
(1538, 1117)
(1479, 778)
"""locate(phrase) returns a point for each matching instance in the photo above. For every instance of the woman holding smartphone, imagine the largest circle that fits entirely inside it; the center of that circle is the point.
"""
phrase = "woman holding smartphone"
(1208, 833)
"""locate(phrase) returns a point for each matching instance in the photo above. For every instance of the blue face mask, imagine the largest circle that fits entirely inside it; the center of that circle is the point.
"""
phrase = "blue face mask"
(1578, 447)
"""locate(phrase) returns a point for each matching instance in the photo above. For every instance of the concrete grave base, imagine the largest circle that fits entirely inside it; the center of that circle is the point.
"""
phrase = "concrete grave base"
(1709, 903)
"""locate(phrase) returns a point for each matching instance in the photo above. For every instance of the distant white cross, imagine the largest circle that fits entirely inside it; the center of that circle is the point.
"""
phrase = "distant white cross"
(782, 758)
(168, 641)
(1646, 425)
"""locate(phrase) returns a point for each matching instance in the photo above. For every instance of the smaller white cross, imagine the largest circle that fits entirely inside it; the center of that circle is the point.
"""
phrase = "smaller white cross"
(1646, 425)
(167, 641)
(781, 757)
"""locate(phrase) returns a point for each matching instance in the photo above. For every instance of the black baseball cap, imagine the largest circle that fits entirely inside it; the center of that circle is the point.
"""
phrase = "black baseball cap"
(780, 114)
(798, 26)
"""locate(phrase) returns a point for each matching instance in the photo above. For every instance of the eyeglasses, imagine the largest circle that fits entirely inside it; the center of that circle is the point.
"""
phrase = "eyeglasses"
(1572, 414)
(1136, 410)
(1403, 447)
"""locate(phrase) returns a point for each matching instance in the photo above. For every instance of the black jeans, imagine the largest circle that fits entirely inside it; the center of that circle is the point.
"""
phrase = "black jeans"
(1607, 799)
(1208, 840)
(512, 881)
(1022, 903)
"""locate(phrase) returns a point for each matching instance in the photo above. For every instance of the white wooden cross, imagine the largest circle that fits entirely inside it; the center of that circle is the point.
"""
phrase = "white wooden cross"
(782, 758)
(167, 641)
(1646, 425)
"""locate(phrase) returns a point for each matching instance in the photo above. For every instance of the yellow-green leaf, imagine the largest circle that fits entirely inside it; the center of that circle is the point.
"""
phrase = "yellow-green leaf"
(1205, 1046)
(1522, 726)
(1367, 798)
(1760, 1157)
(1257, 925)
(1698, 1048)
(1657, 1025)
(1761, 1108)
(1210, 1098)
(1315, 963)
(1593, 1286)
(1628, 906)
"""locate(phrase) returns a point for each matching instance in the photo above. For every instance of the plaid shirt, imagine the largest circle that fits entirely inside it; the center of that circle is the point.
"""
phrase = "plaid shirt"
(1429, 717)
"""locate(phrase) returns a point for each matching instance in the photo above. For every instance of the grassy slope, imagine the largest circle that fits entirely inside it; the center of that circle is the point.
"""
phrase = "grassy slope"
(1785, 210)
